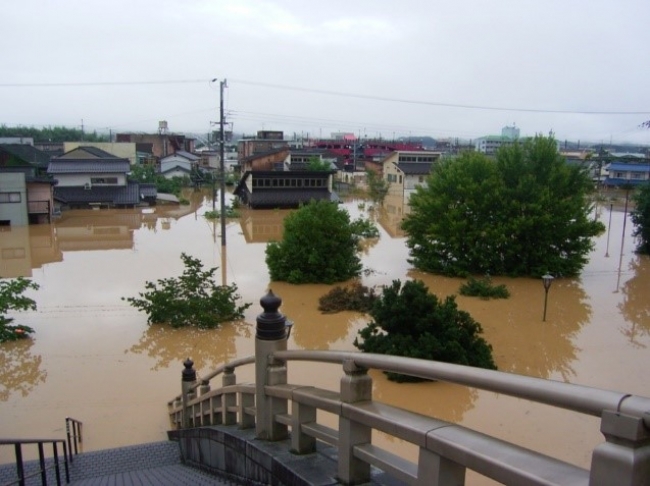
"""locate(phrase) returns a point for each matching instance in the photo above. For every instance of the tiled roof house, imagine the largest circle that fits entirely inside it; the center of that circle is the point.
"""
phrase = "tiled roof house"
(91, 177)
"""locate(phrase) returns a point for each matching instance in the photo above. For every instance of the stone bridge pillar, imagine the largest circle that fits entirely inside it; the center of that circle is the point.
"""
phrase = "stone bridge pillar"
(188, 379)
(270, 337)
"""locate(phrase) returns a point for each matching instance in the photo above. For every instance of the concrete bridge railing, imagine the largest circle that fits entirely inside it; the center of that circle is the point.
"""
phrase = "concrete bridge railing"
(446, 450)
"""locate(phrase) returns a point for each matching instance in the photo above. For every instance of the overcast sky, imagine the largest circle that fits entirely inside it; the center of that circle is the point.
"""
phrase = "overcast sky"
(444, 68)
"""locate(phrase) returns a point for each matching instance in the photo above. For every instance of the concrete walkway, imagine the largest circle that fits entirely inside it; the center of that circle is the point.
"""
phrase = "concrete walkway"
(150, 464)
(173, 475)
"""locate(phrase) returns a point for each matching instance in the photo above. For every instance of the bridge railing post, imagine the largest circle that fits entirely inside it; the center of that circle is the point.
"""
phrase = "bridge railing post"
(270, 337)
(356, 386)
(624, 458)
(188, 379)
(206, 413)
(228, 399)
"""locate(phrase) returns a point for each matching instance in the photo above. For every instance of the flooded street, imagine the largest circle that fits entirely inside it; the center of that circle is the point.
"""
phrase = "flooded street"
(94, 358)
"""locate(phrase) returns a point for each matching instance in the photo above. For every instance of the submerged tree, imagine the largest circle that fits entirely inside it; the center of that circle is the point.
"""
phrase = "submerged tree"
(12, 299)
(641, 219)
(409, 321)
(525, 213)
(193, 299)
(319, 245)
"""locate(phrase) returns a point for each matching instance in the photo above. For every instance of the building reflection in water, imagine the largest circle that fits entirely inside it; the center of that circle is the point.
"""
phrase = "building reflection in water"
(390, 216)
(25, 248)
(20, 370)
(262, 225)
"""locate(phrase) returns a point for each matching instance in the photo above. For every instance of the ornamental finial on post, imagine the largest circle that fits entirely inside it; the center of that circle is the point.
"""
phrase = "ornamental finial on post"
(271, 324)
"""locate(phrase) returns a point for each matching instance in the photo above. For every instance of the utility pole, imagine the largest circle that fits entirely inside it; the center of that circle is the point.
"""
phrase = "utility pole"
(222, 166)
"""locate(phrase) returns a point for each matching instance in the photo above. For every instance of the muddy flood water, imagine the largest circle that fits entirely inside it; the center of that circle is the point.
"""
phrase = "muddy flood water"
(94, 358)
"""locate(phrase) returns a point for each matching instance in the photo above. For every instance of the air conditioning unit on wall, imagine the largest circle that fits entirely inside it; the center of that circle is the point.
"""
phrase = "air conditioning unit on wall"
(87, 186)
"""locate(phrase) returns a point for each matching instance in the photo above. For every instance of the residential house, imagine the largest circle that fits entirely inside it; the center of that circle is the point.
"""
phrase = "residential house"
(178, 164)
(26, 194)
(124, 150)
(627, 169)
(264, 189)
(406, 170)
(88, 177)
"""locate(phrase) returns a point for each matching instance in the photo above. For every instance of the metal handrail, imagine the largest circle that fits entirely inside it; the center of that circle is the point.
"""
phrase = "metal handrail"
(42, 470)
(580, 398)
(75, 438)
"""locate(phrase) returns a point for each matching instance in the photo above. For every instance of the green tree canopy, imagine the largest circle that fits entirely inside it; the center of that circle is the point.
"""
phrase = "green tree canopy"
(525, 213)
(52, 134)
(641, 219)
(318, 246)
(316, 163)
(12, 299)
(409, 321)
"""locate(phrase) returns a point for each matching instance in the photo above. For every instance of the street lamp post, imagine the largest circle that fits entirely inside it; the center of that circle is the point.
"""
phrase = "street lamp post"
(547, 280)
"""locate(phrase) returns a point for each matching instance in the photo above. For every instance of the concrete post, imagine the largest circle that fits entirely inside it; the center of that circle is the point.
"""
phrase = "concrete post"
(228, 399)
(206, 413)
(187, 380)
(356, 386)
(624, 459)
(270, 337)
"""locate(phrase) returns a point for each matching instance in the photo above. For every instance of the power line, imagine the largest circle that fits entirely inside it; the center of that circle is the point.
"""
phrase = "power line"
(328, 93)
(436, 103)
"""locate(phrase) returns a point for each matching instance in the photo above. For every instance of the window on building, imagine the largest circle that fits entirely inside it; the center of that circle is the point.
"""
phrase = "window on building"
(10, 197)
(103, 180)
(400, 179)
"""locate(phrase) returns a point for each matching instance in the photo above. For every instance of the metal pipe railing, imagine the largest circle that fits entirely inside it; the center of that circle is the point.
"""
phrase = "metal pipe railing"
(579, 398)
(74, 437)
(22, 476)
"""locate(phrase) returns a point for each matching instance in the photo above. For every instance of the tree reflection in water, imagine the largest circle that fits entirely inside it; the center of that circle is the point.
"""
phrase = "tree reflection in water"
(521, 342)
(208, 348)
(313, 329)
(20, 370)
(635, 306)
(444, 401)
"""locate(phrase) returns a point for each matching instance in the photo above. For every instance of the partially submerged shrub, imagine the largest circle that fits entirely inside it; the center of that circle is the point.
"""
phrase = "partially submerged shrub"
(193, 299)
(484, 289)
(409, 321)
(355, 297)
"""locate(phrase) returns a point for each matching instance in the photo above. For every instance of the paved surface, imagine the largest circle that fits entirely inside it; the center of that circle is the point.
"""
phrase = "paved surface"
(158, 464)
(150, 464)
(174, 475)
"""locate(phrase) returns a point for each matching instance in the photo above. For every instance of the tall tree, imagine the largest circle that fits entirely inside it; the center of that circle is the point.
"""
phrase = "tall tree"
(641, 218)
(319, 245)
(525, 213)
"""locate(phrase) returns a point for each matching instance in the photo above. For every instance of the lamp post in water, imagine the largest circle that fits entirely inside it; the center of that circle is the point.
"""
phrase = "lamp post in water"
(547, 280)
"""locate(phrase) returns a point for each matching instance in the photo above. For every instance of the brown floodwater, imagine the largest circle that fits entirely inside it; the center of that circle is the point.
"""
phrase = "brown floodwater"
(94, 358)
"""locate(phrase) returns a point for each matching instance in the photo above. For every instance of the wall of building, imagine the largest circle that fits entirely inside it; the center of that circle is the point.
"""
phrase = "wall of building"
(15, 212)
(77, 180)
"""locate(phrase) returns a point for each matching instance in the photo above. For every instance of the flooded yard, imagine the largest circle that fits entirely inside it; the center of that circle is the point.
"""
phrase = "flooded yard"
(94, 358)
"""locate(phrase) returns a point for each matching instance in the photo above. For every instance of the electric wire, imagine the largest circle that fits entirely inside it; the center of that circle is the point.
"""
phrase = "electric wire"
(325, 92)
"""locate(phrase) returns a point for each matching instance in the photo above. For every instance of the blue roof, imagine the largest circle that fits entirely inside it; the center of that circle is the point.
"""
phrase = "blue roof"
(623, 167)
